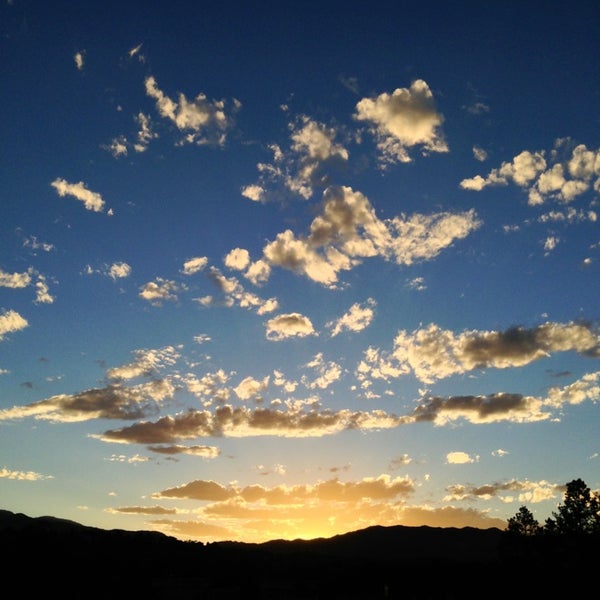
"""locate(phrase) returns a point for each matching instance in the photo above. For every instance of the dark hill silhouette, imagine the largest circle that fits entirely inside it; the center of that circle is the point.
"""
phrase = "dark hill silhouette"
(47, 556)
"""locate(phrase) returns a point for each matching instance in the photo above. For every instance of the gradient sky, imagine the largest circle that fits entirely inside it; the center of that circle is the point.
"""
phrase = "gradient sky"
(287, 270)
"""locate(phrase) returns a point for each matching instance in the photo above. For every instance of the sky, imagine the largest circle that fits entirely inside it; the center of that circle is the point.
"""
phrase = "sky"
(290, 269)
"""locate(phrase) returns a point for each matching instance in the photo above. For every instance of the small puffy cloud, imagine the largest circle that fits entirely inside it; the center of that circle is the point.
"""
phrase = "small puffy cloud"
(238, 259)
(289, 325)
(479, 153)
(118, 146)
(79, 60)
(91, 200)
(251, 388)
(258, 272)
(42, 292)
(159, 291)
(357, 318)
(402, 120)
(200, 120)
(550, 244)
(16, 280)
(253, 192)
(459, 458)
(11, 321)
(119, 270)
(194, 265)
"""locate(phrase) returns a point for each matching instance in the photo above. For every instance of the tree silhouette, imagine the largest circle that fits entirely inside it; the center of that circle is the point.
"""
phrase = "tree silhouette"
(579, 513)
(523, 523)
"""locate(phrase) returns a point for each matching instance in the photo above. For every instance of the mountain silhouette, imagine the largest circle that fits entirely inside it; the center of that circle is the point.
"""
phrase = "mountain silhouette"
(47, 555)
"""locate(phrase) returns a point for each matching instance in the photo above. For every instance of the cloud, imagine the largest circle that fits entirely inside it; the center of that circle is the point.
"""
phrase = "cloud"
(210, 387)
(238, 258)
(260, 513)
(460, 458)
(347, 231)
(201, 451)
(201, 121)
(22, 280)
(288, 325)
(79, 60)
(253, 192)
(329, 372)
(232, 293)
(33, 243)
(194, 265)
(432, 353)
(147, 363)
(357, 318)
(91, 200)
(111, 402)
(243, 422)
(509, 491)
(11, 321)
(22, 475)
(479, 153)
(312, 155)
(402, 120)
(15, 280)
(160, 290)
(119, 270)
(251, 388)
(558, 175)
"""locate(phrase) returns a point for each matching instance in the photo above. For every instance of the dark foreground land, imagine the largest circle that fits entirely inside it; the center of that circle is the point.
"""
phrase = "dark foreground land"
(45, 556)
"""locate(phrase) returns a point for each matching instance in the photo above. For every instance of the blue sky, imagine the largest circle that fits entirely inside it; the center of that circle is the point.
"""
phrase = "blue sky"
(289, 270)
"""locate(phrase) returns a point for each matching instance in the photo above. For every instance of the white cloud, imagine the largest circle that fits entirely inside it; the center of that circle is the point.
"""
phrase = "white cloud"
(289, 325)
(251, 388)
(348, 230)
(402, 120)
(202, 121)
(356, 319)
(119, 270)
(479, 153)
(253, 192)
(159, 290)
(79, 60)
(459, 458)
(557, 177)
(91, 200)
(11, 321)
(194, 265)
(238, 259)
